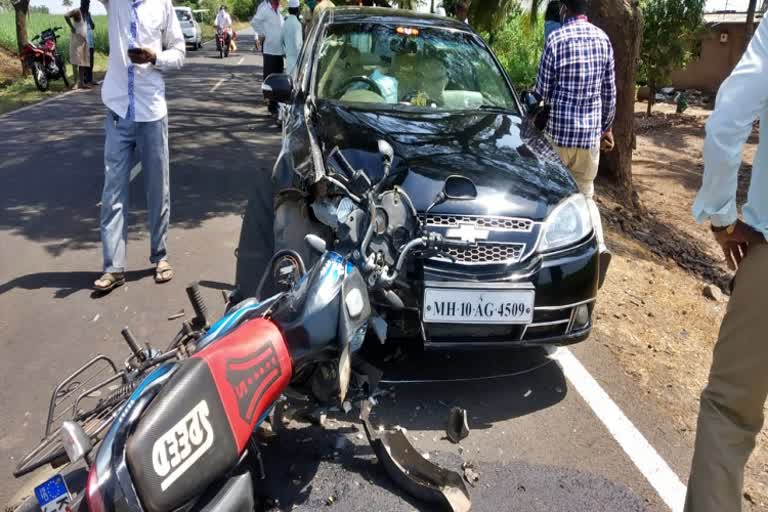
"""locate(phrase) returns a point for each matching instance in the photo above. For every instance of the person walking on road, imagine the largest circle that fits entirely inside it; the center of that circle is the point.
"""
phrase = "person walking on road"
(257, 40)
(78, 46)
(292, 36)
(269, 24)
(85, 10)
(145, 39)
(576, 79)
(731, 412)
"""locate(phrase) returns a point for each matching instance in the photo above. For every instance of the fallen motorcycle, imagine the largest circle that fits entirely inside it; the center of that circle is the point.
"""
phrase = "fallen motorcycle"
(175, 429)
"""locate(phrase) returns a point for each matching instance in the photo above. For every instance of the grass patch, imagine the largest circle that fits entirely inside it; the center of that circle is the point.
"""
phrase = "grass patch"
(23, 92)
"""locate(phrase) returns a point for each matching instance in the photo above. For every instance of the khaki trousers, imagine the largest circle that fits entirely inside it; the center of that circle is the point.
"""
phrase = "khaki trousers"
(731, 414)
(583, 164)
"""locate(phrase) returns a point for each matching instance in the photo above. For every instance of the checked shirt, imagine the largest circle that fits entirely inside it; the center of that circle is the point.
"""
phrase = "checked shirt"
(576, 78)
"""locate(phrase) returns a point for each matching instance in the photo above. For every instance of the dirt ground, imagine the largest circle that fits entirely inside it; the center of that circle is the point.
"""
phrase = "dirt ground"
(652, 313)
(10, 67)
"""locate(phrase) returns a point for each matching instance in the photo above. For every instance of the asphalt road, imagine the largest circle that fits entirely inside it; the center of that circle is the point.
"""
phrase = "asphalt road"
(538, 437)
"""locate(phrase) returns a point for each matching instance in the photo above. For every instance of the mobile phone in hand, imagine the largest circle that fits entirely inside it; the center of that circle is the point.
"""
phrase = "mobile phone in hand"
(135, 52)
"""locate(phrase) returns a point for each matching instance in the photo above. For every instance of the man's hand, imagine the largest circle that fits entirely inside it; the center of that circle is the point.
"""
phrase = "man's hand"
(142, 55)
(606, 141)
(735, 242)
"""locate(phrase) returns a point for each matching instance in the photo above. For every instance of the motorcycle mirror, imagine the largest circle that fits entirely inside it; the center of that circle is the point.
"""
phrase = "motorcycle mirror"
(385, 148)
(459, 188)
(76, 442)
(315, 243)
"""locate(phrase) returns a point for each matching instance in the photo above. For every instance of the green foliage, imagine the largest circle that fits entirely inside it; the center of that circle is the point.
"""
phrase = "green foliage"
(671, 29)
(518, 44)
(37, 22)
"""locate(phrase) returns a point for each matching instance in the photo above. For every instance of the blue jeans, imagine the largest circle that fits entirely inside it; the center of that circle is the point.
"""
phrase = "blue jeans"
(150, 139)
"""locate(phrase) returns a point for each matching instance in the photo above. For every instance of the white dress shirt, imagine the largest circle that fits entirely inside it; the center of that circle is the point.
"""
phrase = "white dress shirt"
(269, 23)
(292, 40)
(137, 91)
(742, 98)
(223, 20)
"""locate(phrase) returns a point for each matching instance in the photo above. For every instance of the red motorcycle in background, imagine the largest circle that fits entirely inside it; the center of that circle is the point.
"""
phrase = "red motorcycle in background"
(42, 58)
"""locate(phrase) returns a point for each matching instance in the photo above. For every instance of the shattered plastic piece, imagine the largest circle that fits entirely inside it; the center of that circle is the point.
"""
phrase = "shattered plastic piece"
(347, 407)
(470, 475)
(527, 394)
(413, 473)
(458, 427)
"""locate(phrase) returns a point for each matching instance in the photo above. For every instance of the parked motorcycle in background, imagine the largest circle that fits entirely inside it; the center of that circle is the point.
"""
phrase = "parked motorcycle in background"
(41, 56)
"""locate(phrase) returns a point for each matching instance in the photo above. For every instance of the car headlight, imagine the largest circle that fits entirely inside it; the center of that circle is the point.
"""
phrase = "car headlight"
(568, 223)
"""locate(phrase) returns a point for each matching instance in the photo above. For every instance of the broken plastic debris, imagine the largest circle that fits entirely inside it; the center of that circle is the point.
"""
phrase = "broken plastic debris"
(347, 407)
(527, 394)
(458, 427)
(413, 473)
(470, 475)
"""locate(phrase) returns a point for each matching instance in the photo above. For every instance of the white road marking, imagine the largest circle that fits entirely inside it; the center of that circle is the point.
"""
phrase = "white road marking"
(658, 473)
(218, 84)
(240, 61)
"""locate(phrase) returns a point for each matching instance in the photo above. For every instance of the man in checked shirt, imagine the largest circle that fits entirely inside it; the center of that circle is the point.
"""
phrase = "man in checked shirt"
(576, 79)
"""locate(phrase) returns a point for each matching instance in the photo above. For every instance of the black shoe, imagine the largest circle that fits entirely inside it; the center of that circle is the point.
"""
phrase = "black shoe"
(605, 262)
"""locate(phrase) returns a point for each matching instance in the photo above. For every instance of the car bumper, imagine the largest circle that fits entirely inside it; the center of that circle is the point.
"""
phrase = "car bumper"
(565, 284)
(190, 38)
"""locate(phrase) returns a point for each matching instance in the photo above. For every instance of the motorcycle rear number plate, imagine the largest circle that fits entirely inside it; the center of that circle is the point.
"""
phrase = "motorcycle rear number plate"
(53, 495)
(465, 306)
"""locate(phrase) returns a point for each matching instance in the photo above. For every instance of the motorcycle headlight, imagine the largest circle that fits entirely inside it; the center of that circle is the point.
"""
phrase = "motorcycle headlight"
(568, 223)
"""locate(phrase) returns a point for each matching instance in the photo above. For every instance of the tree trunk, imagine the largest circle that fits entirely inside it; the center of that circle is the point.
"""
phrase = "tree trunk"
(749, 30)
(22, 10)
(622, 21)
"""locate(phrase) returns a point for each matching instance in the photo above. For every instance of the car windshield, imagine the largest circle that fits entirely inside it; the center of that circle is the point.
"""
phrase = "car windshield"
(183, 16)
(409, 68)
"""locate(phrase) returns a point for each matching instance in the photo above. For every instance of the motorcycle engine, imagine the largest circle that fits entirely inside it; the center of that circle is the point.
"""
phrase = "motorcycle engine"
(395, 225)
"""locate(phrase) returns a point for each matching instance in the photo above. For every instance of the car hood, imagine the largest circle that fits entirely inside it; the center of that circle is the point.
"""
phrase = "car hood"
(515, 170)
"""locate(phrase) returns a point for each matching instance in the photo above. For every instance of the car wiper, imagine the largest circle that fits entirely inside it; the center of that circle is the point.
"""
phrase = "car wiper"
(497, 108)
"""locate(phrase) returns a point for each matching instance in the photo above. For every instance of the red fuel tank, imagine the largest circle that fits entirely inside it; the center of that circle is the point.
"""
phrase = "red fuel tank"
(251, 367)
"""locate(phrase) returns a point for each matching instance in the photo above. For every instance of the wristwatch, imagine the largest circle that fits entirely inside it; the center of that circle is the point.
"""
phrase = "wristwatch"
(729, 229)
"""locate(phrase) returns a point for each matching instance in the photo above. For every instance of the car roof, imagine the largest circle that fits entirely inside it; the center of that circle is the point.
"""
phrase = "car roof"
(183, 8)
(386, 15)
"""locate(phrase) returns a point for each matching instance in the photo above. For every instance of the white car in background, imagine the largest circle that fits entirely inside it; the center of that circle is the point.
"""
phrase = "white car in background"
(193, 35)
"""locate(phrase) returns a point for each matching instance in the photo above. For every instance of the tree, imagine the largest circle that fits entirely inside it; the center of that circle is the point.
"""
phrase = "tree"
(66, 3)
(22, 10)
(670, 32)
(622, 21)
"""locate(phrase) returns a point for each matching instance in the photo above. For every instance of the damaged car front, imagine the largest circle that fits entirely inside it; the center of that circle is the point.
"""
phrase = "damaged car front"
(433, 90)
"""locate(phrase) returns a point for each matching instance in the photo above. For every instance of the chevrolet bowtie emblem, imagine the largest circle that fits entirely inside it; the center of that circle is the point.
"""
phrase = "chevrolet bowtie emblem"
(467, 233)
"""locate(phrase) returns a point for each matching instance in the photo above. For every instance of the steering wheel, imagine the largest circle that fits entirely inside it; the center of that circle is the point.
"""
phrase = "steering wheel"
(372, 85)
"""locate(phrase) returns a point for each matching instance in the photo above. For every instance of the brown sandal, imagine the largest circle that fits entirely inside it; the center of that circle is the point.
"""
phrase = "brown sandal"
(163, 272)
(109, 281)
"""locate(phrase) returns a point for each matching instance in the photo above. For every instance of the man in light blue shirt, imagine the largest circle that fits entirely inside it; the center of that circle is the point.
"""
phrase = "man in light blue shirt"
(731, 414)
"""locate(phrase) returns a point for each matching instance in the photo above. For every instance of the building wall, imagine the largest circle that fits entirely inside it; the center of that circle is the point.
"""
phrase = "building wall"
(716, 61)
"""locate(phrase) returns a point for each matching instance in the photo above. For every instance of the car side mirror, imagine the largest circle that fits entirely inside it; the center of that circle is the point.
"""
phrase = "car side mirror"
(459, 188)
(278, 87)
(533, 103)
(385, 148)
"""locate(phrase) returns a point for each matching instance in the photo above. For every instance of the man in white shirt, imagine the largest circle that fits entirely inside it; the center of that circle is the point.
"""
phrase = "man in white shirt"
(269, 23)
(145, 39)
(223, 24)
(264, 4)
(732, 404)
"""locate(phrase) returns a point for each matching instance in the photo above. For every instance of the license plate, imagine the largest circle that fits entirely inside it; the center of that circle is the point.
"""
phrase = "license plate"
(465, 306)
(53, 495)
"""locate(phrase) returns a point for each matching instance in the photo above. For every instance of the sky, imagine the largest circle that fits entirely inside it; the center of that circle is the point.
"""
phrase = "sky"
(96, 8)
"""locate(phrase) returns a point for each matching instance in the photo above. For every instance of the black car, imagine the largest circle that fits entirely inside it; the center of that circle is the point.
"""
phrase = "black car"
(431, 88)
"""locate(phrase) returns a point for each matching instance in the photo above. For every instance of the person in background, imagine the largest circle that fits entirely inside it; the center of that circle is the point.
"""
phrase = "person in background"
(85, 10)
(732, 404)
(223, 24)
(293, 36)
(462, 12)
(552, 19)
(143, 42)
(269, 24)
(576, 79)
(257, 40)
(78, 46)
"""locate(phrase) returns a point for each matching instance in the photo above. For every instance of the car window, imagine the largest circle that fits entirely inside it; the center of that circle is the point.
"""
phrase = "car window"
(183, 16)
(409, 67)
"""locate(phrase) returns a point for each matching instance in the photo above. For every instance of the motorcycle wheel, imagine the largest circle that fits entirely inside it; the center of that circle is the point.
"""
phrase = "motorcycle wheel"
(41, 79)
(221, 52)
(226, 51)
